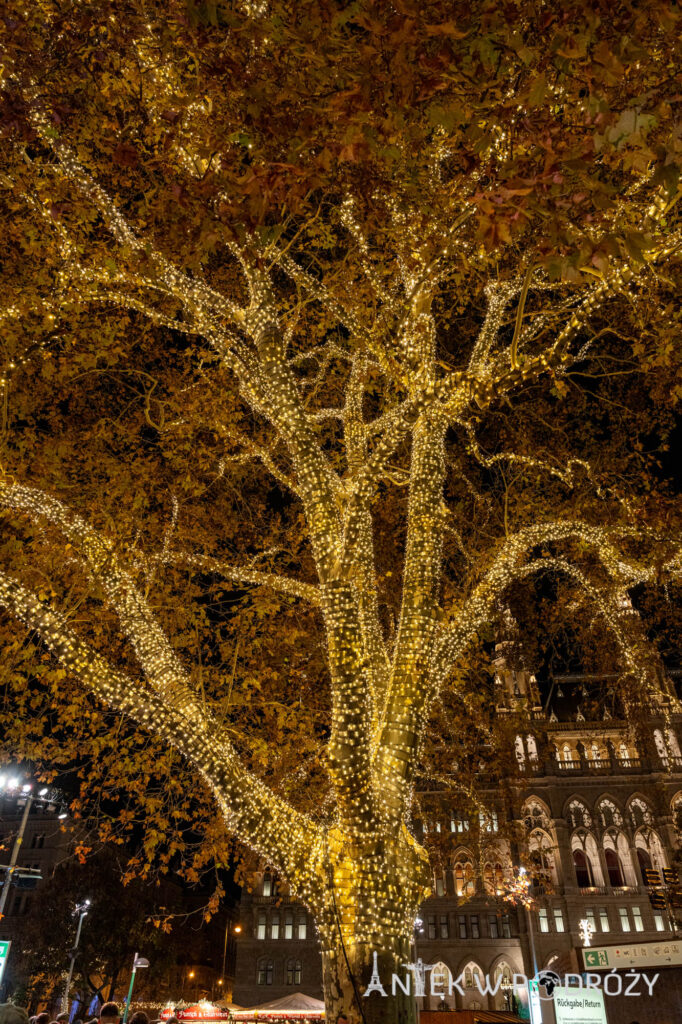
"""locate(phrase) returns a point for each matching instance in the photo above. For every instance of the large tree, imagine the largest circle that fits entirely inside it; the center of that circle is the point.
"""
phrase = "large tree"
(368, 311)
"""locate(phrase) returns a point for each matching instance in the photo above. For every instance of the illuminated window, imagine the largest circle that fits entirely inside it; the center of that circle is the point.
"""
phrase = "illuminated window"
(543, 918)
(261, 925)
(302, 927)
(265, 969)
(293, 972)
(604, 919)
(624, 919)
(559, 920)
(288, 924)
(637, 918)
(274, 925)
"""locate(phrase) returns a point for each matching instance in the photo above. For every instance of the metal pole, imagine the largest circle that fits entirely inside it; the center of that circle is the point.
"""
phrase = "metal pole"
(65, 1000)
(227, 928)
(529, 925)
(9, 871)
(130, 992)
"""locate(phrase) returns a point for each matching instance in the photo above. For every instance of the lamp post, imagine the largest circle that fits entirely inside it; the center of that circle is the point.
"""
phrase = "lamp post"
(10, 785)
(139, 961)
(81, 910)
(236, 929)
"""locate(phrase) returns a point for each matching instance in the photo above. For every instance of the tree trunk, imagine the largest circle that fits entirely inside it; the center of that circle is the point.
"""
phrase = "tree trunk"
(372, 890)
(344, 990)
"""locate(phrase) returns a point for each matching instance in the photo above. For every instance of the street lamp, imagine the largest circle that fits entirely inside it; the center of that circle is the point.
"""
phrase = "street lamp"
(10, 785)
(236, 929)
(24, 793)
(81, 910)
(139, 961)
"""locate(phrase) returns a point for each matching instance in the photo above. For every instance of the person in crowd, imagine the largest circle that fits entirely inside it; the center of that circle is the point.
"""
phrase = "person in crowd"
(11, 1014)
(109, 1014)
(139, 1017)
(62, 1018)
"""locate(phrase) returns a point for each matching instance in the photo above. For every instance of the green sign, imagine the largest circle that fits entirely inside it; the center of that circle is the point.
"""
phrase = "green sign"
(4, 954)
(579, 1006)
(666, 953)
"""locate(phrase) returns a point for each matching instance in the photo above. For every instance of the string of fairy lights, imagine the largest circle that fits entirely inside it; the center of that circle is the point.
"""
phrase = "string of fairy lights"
(366, 856)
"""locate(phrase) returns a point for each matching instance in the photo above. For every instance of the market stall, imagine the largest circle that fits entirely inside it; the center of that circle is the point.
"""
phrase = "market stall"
(297, 1008)
(202, 1012)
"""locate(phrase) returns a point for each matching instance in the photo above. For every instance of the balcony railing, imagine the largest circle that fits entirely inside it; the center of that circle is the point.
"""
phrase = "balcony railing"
(593, 890)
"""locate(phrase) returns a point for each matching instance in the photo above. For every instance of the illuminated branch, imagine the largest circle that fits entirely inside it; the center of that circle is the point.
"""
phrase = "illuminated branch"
(156, 656)
(243, 574)
(255, 814)
(187, 288)
(509, 564)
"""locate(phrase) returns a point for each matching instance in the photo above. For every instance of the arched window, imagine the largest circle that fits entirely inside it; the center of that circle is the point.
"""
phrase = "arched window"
(614, 868)
(265, 971)
(499, 878)
(532, 747)
(595, 753)
(647, 840)
(624, 755)
(464, 878)
(267, 884)
(578, 815)
(583, 869)
(676, 808)
(519, 751)
(439, 983)
(503, 985)
(542, 858)
(488, 880)
(567, 752)
(472, 974)
(609, 814)
(293, 972)
(535, 816)
(640, 813)
(673, 744)
(644, 859)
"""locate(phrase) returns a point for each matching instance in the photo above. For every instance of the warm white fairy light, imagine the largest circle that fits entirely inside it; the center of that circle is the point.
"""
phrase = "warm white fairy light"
(366, 856)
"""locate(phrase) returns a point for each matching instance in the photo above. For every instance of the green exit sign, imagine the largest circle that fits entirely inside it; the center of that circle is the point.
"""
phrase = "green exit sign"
(4, 953)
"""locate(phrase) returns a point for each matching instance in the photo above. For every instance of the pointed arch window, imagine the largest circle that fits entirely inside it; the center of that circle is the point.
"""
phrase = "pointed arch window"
(583, 869)
(614, 868)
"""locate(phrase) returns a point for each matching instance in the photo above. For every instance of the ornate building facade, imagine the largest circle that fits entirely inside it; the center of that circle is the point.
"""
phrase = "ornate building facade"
(589, 807)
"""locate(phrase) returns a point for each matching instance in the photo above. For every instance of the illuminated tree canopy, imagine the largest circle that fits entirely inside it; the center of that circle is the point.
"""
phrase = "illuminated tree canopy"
(326, 328)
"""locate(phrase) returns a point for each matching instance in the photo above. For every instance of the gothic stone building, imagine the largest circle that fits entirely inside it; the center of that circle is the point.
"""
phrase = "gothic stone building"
(589, 806)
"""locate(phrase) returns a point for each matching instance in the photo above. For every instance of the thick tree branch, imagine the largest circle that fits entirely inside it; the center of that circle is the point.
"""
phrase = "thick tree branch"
(255, 814)
(242, 574)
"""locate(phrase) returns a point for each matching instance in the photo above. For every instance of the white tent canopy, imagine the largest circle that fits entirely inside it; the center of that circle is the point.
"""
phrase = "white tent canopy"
(298, 1003)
